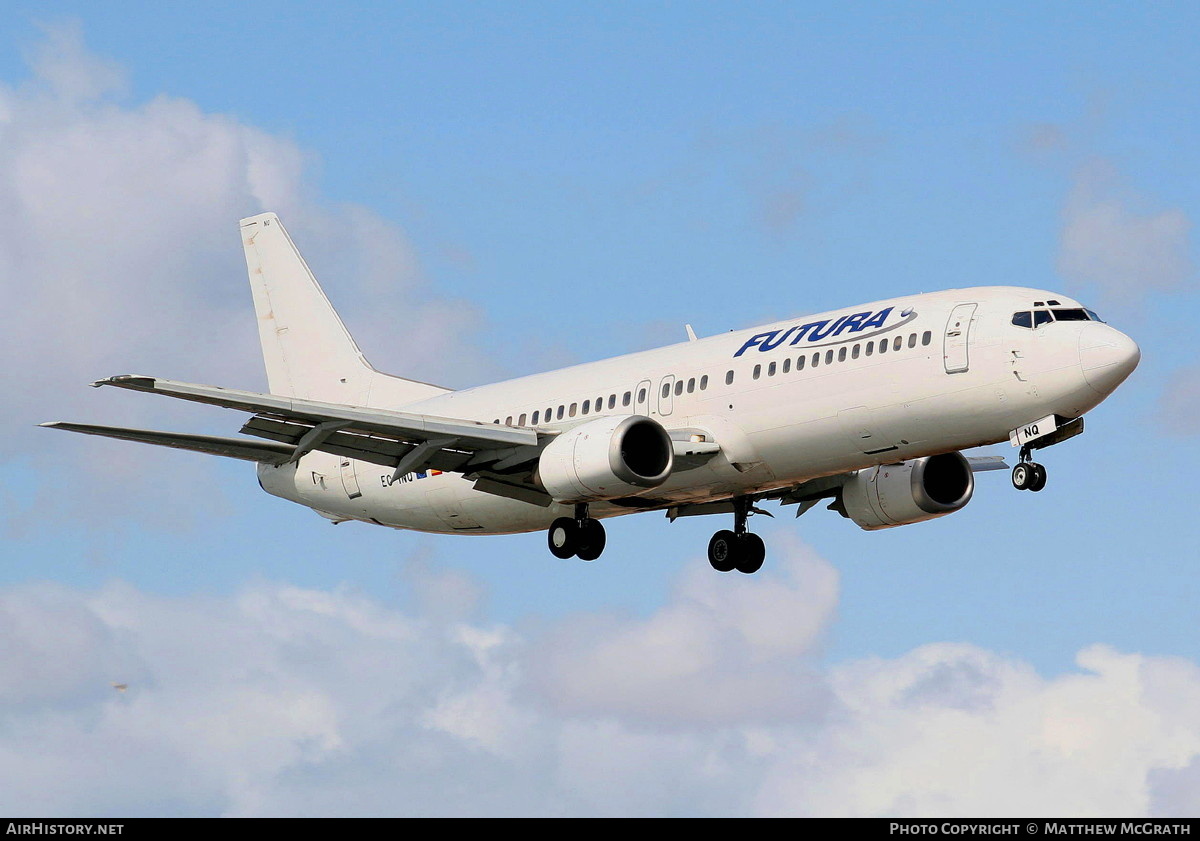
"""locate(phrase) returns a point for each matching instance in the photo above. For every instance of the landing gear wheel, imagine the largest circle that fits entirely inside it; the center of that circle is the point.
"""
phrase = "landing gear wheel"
(563, 537)
(591, 540)
(1022, 476)
(1039, 477)
(751, 553)
(723, 551)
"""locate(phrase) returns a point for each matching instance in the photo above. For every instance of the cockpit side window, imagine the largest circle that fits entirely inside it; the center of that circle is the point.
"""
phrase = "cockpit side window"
(1044, 316)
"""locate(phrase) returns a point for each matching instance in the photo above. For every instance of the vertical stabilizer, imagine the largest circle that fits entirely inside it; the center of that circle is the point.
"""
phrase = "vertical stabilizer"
(307, 350)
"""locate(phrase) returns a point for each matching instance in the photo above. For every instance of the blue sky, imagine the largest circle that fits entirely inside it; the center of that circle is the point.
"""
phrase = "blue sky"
(489, 190)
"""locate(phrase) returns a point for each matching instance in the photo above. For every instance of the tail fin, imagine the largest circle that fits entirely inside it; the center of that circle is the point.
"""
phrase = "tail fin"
(307, 350)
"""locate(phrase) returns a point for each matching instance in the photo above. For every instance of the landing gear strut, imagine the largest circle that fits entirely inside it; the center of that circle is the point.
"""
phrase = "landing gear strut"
(737, 549)
(581, 536)
(1028, 475)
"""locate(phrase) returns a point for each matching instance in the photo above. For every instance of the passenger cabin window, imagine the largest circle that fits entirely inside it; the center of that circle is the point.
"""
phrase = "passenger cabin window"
(912, 339)
(704, 382)
(587, 404)
(757, 371)
(787, 365)
(641, 395)
(666, 390)
(926, 337)
(854, 352)
(508, 421)
(729, 378)
(560, 412)
(521, 420)
(691, 384)
(816, 360)
(829, 356)
(574, 407)
(678, 387)
(896, 344)
(771, 370)
(625, 399)
(883, 346)
(842, 354)
(612, 400)
(534, 419)
(800, 362)
(870, 348)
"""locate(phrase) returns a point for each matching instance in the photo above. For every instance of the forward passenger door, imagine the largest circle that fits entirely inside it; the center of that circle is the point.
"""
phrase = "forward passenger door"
(958, 337)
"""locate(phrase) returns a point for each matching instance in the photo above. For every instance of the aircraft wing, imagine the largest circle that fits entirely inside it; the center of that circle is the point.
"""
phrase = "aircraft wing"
(982, 464)
(405, 441)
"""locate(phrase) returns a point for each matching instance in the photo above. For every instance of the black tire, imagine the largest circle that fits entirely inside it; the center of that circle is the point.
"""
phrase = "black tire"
(751, 553)
(1022, 476)
(723, 551)
(591, 540)
(1039, 478)
(563, 538)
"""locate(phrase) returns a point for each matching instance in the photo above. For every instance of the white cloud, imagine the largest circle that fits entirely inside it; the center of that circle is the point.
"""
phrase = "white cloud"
(753, 632)
(956, 731)
(286, 701)
(119, 253)
(1113, 242)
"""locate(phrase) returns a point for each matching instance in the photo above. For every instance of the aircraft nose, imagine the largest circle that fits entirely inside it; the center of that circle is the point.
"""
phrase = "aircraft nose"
(1107, 356)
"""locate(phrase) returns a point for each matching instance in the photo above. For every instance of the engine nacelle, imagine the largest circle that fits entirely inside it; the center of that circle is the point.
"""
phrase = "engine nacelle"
(606, 458)
(898, 494)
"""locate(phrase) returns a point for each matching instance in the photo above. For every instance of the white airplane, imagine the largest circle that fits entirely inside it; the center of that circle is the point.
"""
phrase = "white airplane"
(867, 406)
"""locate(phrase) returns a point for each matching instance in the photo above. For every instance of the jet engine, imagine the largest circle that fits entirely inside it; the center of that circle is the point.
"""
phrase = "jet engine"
(909, 492)
(606, 458)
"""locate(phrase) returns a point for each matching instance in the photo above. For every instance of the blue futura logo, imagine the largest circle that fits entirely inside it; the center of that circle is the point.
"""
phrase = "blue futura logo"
(816, 331)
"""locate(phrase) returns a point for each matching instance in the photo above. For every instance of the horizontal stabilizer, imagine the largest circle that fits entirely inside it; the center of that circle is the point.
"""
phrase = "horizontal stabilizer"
(264, 451)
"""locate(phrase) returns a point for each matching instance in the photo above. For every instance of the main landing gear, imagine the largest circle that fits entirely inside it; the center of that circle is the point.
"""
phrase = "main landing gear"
(737, 549)
(582, 536)
(1028, 475)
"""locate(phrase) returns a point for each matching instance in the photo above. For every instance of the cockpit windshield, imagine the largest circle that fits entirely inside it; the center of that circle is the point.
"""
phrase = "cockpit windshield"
(1039, 316)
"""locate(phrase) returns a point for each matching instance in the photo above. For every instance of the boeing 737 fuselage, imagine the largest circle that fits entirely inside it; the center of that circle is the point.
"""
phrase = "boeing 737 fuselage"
(868, 407)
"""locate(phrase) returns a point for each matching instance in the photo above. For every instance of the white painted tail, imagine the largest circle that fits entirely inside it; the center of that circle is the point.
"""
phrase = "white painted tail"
(307, 350)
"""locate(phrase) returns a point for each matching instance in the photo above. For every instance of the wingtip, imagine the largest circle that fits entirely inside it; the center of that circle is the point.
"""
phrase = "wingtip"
(127, 381)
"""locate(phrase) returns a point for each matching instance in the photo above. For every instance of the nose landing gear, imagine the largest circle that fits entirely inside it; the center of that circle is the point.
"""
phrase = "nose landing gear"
(582, 537)
(1028, 475)
(737, 549)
